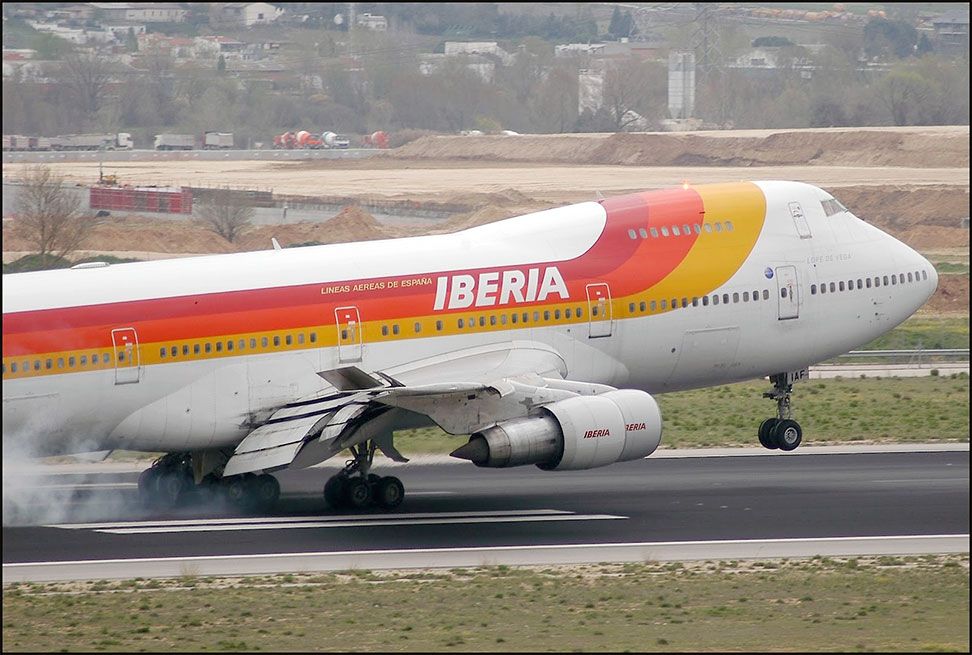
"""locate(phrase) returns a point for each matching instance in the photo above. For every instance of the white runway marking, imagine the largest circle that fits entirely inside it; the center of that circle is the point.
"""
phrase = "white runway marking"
(336, 521)
(537, 554)
(87, 485)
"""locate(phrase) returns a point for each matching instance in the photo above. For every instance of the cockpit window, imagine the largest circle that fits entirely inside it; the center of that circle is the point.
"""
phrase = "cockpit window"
(832, 206)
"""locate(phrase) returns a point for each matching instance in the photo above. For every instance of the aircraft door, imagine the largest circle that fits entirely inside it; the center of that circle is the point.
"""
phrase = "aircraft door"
(788, 292)
(599, 310)
(800, 220)
(349, 337)
(128, 367)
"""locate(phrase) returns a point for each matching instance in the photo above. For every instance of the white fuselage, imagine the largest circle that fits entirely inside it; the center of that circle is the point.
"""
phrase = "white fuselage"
(200, 402)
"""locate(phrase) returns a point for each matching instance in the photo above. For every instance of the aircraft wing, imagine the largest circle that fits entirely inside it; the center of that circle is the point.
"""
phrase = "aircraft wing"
(463, 391)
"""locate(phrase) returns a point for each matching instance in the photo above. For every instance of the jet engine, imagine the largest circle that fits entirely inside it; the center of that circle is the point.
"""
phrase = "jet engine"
(577, 433)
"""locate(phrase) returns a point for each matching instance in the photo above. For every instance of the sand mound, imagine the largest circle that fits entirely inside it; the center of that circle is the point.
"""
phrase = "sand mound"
(925, 147)
(137, 233)
(952, 294)
(904, 207)
(350, 224)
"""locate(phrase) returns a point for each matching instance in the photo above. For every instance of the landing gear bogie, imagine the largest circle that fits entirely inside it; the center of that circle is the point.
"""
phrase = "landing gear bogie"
(357, 488)
(781, 432)
(170, 482)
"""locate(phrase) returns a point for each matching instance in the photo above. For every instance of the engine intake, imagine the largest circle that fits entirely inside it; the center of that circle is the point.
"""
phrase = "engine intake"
(577, 433)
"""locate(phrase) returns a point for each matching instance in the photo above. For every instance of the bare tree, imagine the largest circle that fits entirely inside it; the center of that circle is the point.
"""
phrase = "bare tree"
(48, 214)
(628, 90)
(227, 213)
(86, 77)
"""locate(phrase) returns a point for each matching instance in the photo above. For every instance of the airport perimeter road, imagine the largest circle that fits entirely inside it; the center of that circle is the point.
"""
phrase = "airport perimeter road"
(666, 508)
(184, 155)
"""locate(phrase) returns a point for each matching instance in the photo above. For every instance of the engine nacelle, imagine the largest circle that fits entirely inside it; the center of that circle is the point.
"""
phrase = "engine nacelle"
(577, 433)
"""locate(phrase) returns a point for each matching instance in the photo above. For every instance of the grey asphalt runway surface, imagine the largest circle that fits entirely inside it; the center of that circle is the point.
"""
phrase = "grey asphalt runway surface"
(751, 505)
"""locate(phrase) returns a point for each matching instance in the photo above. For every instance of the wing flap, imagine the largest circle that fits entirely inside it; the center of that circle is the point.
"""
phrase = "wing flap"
(271, 443)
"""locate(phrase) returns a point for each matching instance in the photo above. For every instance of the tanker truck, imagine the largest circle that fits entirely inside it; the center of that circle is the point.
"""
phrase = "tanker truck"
(377, 139)
(332, 140)
(306, 140)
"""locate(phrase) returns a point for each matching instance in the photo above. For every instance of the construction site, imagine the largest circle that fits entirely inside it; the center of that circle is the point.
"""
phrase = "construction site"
(912, 182)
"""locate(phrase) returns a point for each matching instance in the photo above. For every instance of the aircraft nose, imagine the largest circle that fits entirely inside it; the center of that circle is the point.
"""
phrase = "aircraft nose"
(932, 282)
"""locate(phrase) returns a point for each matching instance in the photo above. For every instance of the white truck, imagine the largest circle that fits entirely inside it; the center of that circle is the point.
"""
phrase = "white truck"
(332, 140)
(175, 142)
(120, 141)
(217, 140)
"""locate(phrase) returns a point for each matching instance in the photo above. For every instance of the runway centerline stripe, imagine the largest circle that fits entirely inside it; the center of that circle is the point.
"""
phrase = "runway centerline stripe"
(536, 518)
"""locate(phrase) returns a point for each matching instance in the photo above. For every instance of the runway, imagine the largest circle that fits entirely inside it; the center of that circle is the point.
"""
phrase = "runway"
(674, 507)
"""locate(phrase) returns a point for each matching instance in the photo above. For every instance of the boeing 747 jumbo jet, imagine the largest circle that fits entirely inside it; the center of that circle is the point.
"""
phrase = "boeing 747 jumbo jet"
(542, 337)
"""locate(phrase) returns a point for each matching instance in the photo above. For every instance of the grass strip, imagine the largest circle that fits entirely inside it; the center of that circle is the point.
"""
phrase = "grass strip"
(851, 410)
(819, 604)
(925, 331)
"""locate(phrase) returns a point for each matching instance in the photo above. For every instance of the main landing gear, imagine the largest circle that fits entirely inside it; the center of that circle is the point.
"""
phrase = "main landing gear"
(357, 488)
(781, 432)
(170, 481)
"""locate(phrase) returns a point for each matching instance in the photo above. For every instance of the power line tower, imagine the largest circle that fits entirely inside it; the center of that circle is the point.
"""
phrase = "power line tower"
(705, 41)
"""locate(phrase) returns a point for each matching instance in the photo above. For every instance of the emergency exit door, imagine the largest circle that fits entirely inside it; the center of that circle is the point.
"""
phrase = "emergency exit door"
(599, 310)
(128, 367)
(349, 336)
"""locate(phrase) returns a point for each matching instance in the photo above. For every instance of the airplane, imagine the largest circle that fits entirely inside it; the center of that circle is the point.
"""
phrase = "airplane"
(542, 337)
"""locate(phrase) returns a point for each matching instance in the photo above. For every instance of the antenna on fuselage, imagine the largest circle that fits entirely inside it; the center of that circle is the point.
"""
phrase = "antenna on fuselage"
(598, 196)
(276, 244)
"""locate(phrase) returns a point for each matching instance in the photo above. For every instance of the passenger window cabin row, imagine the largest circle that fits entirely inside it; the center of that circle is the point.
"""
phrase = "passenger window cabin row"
(183, 352)
(685, 229)
(88, 360)
(699, 301)
(869, 282)
(236, 345)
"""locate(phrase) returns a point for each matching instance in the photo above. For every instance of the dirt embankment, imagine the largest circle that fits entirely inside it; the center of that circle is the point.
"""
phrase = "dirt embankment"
(924, 217)
(952, 294)
(923, 147)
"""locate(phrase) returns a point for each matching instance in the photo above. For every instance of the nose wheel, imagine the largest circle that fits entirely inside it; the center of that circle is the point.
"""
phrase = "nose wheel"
(357, 488)
(782, 431)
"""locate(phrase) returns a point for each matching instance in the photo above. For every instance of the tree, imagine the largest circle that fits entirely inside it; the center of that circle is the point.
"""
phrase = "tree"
(628, 92)
(886, 38)
(86, 77)
(48, 214)
(226, 213)
(903, 92)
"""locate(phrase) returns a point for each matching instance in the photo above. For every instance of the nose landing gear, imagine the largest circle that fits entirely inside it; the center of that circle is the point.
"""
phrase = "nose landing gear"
(783, 431)
(357, 488)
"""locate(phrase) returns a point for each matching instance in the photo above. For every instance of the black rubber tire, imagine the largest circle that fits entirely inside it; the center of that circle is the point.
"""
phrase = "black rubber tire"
(237, 490)
(334, 491)
(788, 434)
(767, 438)
(389, 492)
(357, 494)
(265, 491)
(148, 486)
(170, 486)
